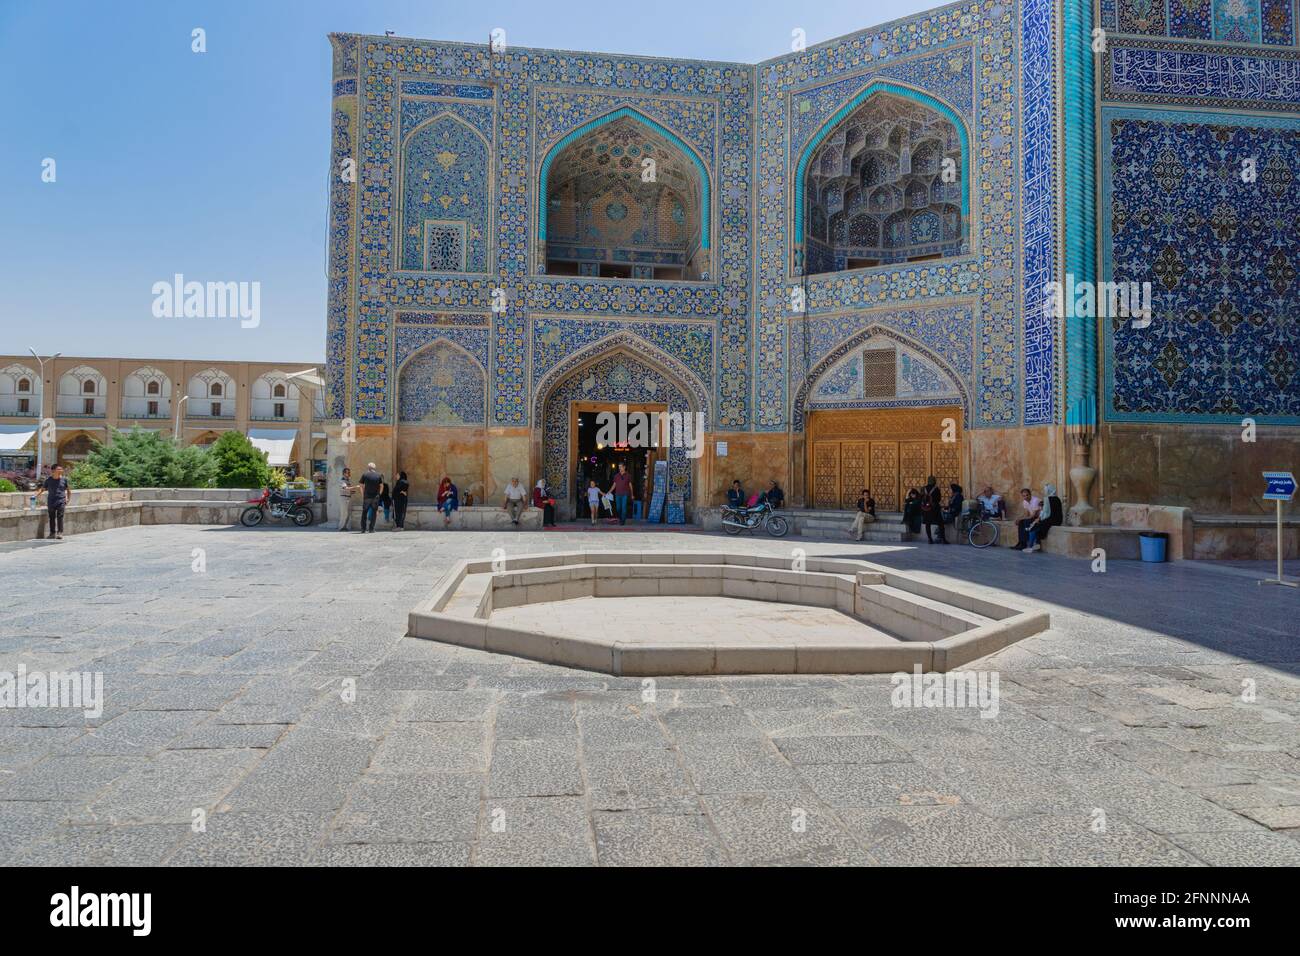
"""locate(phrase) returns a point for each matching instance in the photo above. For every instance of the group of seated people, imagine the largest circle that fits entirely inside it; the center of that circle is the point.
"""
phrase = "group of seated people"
(927, 507)
(739, 501)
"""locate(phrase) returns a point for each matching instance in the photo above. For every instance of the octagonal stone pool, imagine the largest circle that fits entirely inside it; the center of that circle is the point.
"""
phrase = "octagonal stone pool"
(658, 613)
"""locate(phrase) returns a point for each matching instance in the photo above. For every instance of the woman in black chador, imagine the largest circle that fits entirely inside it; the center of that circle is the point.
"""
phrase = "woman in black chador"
(932, 509)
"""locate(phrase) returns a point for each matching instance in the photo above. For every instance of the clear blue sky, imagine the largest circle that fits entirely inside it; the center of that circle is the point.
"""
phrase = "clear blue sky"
(214, 165)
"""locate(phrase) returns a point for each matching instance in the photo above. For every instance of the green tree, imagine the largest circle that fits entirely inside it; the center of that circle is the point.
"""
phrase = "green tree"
(239, 464)
(87, 475)
(142, 459)
(7, 485)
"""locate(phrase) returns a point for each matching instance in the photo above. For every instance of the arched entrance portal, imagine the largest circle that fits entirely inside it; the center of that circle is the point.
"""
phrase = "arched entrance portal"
(880, 412)
(616, 373)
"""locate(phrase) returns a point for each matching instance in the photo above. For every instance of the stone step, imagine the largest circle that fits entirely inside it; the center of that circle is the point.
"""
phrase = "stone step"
(913, 616)
(874, 537)
(848, 522)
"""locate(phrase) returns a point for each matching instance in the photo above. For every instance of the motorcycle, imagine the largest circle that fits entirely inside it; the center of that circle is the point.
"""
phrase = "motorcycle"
(279, 507)
(736, 520)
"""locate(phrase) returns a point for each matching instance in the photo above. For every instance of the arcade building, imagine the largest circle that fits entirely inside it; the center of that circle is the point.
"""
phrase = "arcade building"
(840, 257)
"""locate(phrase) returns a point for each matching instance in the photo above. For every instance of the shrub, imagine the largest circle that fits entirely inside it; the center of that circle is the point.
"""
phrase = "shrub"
(7, 485)
(86, 475)
(238, 463)
(141, 459)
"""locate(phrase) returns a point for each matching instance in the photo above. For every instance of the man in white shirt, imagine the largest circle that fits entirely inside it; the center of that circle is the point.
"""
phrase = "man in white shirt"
(1033, 506)
(990, 501)
(514, 500)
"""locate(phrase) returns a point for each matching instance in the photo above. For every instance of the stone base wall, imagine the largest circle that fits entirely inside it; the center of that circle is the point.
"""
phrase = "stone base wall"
(99, 509)
(1208, 469)
(428, 452)
(470, 519)
(1226, 538)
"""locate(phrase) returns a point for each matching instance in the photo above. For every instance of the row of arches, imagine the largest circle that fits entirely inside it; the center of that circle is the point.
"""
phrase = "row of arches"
(884, 181)
(147, 392)
(442, 400)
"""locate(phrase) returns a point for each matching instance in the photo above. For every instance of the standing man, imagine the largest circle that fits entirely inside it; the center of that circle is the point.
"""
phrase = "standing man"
(346, 490)
(622, 491)
(514, 500)
(59, 494)
(371, 482)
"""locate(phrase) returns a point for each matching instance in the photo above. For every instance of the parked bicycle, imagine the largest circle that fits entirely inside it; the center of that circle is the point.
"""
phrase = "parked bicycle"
(762, 515)
(981, 529)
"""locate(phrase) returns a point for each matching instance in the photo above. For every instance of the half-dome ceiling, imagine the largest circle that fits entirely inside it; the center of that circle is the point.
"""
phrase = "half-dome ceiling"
(624, 201)
(879, 190)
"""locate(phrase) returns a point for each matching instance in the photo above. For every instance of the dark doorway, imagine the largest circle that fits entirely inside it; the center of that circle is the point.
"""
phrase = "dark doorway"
(601, 461)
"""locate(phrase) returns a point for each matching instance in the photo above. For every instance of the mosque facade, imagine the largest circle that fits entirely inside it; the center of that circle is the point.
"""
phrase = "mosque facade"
(904, 252)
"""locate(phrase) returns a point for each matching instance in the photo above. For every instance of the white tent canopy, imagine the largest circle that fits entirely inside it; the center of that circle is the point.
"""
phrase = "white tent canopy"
(14, 437)
(276, 442)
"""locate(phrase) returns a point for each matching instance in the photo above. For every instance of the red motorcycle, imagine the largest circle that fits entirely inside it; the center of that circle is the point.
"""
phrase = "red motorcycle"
(279, 507)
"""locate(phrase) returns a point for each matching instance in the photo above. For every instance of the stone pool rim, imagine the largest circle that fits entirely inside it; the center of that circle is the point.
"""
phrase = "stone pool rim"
(472, 625)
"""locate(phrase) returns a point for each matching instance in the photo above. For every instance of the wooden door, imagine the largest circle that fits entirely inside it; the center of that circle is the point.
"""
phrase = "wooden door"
(886, 450)
(945, 463)
(884, 475)
(854, 474)
(915, 464)
(826, 474)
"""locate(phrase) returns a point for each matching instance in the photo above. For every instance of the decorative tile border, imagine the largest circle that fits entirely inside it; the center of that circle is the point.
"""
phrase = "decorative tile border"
(1186, 75)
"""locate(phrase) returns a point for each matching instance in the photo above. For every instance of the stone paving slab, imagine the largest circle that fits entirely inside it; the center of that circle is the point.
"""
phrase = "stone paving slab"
(234, 703)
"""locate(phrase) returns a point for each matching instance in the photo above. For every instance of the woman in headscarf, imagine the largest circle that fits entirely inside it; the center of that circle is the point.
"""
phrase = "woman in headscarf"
(386, 501)
(912, 511)
(932, 509)
(956, 504)
(1048, 518)
(448, 499)
(401, 495)
(542, 499)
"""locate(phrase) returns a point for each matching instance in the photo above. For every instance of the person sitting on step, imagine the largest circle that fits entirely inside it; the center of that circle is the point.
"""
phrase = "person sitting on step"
(1049, 517)
(1033, 507)
(866, 513)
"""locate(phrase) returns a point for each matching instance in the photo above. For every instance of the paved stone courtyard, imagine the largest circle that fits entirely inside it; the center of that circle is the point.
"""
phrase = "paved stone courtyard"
(1121, 738)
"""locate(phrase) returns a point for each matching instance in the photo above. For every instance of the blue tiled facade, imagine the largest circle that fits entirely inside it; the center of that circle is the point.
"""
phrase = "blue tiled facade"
(441, 220)
(441, 132)
(1200, 196)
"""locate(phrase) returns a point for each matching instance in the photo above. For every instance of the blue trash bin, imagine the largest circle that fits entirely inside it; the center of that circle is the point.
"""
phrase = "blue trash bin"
(636, 510)
(1153, 545)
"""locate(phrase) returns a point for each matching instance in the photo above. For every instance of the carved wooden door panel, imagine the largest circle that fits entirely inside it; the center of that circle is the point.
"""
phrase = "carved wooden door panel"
(853, 472)
(947, 463)
(826, 474)
(915, 464)
(884, 475)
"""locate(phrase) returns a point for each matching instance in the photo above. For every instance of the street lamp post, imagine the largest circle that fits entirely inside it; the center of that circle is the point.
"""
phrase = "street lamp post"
(40, 410)
(309, 381)
(176, 435)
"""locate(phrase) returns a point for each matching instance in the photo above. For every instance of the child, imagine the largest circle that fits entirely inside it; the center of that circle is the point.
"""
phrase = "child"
(593, 500)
